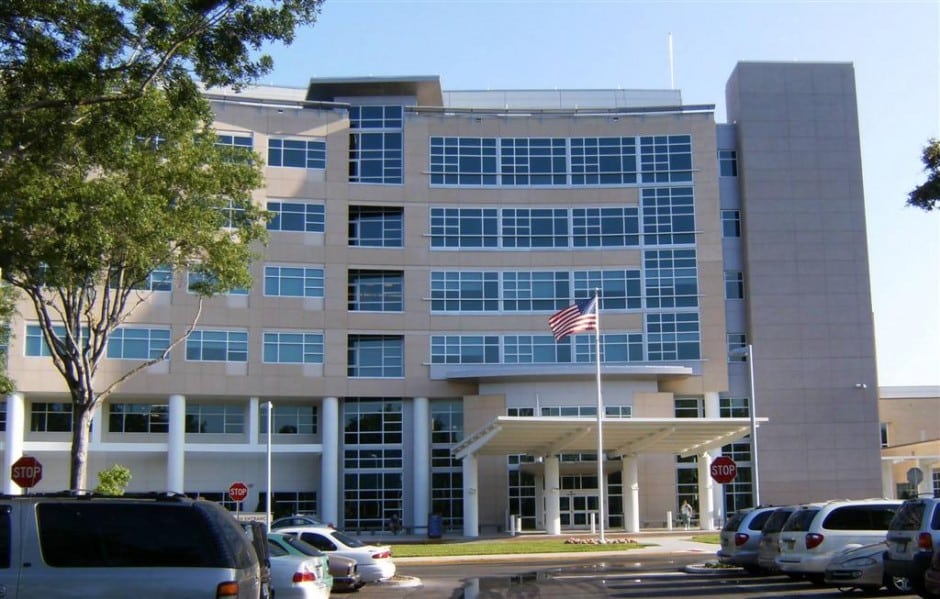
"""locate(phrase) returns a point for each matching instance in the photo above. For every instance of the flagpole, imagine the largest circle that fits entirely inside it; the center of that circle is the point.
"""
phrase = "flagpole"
(600, 416)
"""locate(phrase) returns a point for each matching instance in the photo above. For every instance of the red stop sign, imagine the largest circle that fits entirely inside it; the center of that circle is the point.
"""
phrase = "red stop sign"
(723, 470)
(26, 472)
(238, 491)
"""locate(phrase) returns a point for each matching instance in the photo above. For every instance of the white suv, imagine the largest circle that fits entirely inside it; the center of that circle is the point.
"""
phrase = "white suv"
(815, 533)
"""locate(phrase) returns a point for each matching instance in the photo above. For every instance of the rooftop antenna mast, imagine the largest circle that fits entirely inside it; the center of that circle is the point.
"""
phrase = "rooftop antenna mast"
(672, 65)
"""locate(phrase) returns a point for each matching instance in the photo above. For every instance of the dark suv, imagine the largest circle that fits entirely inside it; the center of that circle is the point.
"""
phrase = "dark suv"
(913, 537)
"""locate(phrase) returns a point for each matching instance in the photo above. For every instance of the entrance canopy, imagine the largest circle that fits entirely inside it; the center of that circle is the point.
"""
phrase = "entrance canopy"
(548, 436)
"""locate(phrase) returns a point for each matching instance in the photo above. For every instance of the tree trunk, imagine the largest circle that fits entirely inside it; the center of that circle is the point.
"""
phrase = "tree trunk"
(82, 411)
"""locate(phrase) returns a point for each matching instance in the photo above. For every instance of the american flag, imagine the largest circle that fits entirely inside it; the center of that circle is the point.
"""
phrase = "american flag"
(576, 318)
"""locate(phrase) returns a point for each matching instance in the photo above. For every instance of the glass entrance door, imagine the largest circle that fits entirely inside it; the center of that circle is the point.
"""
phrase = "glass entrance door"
(575, 509)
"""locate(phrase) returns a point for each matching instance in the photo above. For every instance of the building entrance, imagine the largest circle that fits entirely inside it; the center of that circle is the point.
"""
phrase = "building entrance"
(577, 507)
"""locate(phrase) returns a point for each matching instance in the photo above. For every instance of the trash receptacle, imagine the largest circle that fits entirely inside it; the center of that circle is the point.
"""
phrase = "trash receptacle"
(435, 526)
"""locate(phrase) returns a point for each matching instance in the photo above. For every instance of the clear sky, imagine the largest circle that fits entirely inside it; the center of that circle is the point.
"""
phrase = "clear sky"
(518, 44)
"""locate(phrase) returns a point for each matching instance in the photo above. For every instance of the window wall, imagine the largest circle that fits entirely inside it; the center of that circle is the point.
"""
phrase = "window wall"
(559, 161)
(372, 462)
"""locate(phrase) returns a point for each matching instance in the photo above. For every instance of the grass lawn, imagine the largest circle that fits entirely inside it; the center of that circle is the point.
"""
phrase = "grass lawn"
(514, 546)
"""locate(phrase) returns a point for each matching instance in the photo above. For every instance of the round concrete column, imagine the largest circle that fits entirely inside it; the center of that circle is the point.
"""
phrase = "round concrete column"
(329, 462)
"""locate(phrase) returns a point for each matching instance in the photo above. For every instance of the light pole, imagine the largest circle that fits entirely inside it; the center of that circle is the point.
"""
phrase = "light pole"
(748, 352)
(267, 498)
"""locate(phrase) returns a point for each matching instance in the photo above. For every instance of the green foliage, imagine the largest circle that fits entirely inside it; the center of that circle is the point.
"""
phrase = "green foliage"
(108, 164)
(7, 310)
(113, 481)
(927, 195)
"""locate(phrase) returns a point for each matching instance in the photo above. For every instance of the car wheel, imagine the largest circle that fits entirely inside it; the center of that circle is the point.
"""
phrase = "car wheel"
(899, 585)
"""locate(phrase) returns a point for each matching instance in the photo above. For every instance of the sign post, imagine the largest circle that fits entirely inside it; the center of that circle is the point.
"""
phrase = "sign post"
(238, 492)
(723, 470)
(26, 472)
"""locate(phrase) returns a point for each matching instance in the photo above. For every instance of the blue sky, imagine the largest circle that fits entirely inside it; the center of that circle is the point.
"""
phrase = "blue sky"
(518, 44)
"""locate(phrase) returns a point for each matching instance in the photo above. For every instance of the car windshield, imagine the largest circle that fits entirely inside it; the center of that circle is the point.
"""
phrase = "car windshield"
(346, 539)
(800, 520)
(302, 546)
(909, 516)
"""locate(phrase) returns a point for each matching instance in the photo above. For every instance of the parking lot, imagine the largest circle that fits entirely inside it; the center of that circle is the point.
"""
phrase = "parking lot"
(651, 576)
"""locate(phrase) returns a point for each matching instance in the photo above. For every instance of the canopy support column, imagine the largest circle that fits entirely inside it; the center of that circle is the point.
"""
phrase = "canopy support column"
(631, 493)
(552, 499)
(471, 508)
(706, 496)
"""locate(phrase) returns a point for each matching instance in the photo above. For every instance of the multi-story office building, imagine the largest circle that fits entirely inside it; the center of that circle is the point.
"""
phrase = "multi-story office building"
(397, 328)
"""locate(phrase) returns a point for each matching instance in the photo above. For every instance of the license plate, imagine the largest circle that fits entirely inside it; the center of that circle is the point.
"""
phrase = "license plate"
(900, 546)
(790, 543)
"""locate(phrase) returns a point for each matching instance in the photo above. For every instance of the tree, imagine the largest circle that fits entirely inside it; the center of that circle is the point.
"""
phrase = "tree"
(927, 195)
(109, 166)
(7, 310)
(113, 481)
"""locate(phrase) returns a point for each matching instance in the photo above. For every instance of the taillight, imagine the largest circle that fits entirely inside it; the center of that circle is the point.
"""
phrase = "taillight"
(813, 540)
(925, 541)
(304, 576)
(382, 555)
(227, 590)
(740, 538)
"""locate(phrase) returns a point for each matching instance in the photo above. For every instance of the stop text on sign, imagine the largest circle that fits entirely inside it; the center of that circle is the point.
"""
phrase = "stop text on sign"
(723, 470)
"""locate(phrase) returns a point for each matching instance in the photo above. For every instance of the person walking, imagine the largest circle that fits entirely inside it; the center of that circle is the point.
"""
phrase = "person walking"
(687, 513)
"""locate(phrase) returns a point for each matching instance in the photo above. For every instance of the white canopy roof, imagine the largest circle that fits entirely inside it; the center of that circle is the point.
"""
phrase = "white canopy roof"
(546, 436)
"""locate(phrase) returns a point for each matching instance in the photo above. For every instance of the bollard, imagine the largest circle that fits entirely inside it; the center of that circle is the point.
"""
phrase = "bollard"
(512, 525)
(519, 525)
(593, 521)
(669, 519)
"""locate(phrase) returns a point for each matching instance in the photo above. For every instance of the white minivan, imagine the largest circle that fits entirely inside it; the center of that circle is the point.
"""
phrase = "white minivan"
(815, 533)
(159, 546)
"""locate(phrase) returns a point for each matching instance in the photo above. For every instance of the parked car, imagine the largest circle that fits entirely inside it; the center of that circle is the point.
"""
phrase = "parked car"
(258, 536)
(299, 576)
(915, 529)
(863, 568)
(296, 520)
(344, 570)
(740, 537)
(158, 546)
(768, 547)
(931, 586)
(814, 534)
(374, 561)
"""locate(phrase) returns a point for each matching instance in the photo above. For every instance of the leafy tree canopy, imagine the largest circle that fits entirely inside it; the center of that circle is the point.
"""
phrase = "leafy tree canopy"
(113, 481)
(927, 195)
(109, 166)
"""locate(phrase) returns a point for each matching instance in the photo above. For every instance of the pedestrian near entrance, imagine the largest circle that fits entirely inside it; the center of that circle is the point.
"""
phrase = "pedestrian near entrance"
(687, 513)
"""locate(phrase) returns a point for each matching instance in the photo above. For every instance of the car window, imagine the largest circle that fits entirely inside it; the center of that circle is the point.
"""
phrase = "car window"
(860, 517)
(935, 521)
(276, 550)
(909, 516)
(5, 536)
(800, 520)
(302, 546)
(775, 521)
(347, 540)
(80, 534)
(734, 521)
(758, 521)
(319, 541)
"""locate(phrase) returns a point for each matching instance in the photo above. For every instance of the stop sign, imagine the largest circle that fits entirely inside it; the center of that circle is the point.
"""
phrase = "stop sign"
(238, 491)
(26, 472)
(723, 470)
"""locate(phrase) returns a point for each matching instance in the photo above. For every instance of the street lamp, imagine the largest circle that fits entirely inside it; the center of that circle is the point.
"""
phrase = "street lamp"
(748, 352)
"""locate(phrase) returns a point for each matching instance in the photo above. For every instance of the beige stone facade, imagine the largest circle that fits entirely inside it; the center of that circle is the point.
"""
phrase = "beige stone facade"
(375, 403)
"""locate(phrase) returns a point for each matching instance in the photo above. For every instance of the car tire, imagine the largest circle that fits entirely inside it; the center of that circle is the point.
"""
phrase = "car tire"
(898, 585)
